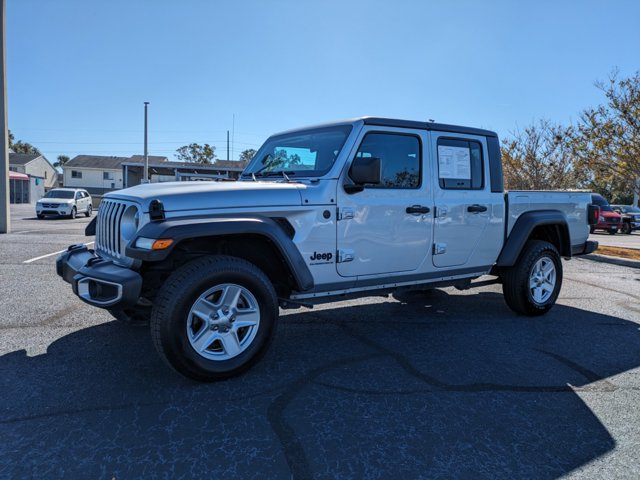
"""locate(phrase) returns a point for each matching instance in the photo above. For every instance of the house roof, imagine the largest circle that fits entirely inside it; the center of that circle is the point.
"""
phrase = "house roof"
(115, 163)
(230, 164)
(218, 165)
(96, 161)
(152, 159)
(22, 158)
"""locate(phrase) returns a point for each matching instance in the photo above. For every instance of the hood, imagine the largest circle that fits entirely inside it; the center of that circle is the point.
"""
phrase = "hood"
(55, 200)
(176, 196)
(609, 214)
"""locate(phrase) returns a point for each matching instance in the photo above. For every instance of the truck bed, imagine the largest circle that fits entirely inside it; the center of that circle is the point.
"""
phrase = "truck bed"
(572, 204)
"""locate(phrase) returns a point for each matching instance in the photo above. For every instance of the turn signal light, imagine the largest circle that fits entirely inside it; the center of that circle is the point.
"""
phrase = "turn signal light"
(161, 244)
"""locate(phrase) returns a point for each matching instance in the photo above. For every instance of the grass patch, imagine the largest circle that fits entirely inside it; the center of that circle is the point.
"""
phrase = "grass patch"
(632, 253)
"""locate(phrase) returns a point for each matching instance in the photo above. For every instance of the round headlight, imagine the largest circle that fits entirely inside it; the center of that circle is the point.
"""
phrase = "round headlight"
(129, 223)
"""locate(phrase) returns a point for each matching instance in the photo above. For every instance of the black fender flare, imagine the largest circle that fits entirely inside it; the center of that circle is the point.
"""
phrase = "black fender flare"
(524, 226)
(187, 228)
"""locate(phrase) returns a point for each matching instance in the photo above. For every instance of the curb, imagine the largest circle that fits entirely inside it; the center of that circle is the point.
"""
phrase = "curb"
(612, 260)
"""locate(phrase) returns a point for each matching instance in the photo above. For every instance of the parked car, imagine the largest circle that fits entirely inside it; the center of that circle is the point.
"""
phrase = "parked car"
(65, 202)
(630, 217)
(609, 220)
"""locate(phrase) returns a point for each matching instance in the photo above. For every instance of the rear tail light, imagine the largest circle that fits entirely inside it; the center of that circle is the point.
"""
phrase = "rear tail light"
(593, 214)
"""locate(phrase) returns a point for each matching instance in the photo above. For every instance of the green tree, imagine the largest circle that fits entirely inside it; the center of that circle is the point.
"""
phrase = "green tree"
(606, 140)
(11, 139)
(23, 147)
(62, 159)
(247, 155)
(196, 153)
(538, 158)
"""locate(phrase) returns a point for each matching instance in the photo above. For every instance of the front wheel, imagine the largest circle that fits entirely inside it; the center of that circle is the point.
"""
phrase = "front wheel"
(214, 317)
(626, 228)
(613, 231)
(531, 287)
(89, 211)
(73, 213)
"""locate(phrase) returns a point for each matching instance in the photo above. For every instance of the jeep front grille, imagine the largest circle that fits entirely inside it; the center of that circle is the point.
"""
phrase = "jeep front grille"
(108, 239)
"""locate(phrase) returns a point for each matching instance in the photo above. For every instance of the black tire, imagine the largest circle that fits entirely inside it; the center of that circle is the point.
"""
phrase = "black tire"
(183, 289)
(613, 231)
(134, 317)
(89, 211)
(40, 216)
(516, 279)
(592, 229)
(626, 228)
(73, 213)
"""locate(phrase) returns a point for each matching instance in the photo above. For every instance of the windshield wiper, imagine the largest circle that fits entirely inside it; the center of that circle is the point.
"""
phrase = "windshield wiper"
(275, 173)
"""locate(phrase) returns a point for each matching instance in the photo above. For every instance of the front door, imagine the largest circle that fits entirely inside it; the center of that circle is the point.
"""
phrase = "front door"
(386, 228)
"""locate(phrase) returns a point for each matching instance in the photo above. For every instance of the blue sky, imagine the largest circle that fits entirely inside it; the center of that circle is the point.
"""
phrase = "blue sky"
(78, 71)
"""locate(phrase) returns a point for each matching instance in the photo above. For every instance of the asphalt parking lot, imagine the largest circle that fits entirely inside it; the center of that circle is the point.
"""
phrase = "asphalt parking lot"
(441, 385)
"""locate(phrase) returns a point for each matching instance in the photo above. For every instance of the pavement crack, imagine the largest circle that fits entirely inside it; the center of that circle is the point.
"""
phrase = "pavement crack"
(291, 445)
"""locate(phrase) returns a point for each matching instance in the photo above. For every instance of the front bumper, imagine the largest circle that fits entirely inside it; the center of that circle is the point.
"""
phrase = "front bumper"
(62, 210)
(97, 281)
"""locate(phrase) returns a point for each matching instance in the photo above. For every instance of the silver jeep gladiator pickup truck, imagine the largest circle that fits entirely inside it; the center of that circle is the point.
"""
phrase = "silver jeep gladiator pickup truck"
(346, 209)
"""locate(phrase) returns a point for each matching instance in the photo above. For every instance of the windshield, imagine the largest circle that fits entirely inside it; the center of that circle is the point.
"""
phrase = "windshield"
(308, 153)
(627, 209)
(60, 194)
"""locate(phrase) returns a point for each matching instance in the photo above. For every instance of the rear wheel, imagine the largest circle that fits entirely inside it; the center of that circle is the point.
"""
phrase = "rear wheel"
(531, 287)
(214, 317)
(613, 231)
(592, 229)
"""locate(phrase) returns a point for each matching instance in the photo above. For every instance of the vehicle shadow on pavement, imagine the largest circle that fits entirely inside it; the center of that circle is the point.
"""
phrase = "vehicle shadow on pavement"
(428, 386)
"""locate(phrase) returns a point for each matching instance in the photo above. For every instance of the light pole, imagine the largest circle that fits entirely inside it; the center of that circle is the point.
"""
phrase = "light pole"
(5, 214)
(145, 176)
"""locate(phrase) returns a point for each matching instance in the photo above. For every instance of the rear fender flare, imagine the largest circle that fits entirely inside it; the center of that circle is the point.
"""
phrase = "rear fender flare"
(524, 227)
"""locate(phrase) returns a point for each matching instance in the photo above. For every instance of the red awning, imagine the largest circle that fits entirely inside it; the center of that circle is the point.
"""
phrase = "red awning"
(17, 176)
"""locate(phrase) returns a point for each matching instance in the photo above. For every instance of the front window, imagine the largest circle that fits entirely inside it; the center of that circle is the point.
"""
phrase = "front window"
(59, 194)
(308, 153)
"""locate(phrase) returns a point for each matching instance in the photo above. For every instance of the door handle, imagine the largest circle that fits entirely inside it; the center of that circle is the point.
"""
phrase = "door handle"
(476, 208)
(418, 209)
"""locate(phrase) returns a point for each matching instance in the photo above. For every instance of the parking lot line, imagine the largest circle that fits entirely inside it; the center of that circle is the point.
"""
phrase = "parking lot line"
(50, 254)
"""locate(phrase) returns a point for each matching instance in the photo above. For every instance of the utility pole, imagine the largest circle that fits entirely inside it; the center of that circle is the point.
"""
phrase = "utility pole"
(5, 211)
(228, 145)
(145, 176)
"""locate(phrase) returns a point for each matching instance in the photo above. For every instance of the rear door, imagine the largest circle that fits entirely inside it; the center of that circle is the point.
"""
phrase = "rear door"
(468, 218)
(386, 228)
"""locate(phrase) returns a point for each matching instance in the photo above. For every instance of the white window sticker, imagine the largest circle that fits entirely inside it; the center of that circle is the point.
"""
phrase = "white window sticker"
(454, 162)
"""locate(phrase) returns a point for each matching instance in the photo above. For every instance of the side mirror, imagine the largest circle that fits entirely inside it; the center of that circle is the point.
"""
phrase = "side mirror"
(365, 170)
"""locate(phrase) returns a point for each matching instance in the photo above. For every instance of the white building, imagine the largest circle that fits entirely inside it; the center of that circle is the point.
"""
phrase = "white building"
(34, 165)
(100, 174)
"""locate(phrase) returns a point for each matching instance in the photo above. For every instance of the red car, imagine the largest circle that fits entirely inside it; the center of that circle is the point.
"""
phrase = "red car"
(609, 220)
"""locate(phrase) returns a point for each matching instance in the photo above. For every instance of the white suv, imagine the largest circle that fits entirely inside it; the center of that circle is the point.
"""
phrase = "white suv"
(67, 202)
